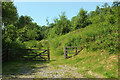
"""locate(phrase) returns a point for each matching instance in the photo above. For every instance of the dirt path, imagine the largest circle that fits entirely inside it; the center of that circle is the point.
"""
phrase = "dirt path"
(49, 71)
(46, 71)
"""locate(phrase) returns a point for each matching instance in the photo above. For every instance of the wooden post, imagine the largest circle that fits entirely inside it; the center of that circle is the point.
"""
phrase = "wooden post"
(48, 54)
(76, 50)
(65, 54)
(7, 54)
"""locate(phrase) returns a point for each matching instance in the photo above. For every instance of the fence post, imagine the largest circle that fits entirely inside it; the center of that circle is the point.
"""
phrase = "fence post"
(48, 54)
(7, 54)
(76, 50)
(65, 54)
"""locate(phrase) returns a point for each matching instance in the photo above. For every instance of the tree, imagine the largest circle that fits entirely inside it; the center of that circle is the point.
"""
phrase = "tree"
(63, 25)
(30, 32)
(11, 32)
(74, 22)
(106, 9)
(22, 21)
(116, 11)
(9, 13)
(51, 25)
(91, 13)
(105, 5)
(97, 10)
(81, 20)
(47, 21)
(116, 3)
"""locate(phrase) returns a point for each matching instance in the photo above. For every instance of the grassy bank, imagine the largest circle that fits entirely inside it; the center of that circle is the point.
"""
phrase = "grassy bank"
(100, 53)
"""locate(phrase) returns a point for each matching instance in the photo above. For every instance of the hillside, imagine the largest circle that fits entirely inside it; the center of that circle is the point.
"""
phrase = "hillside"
(100, 53)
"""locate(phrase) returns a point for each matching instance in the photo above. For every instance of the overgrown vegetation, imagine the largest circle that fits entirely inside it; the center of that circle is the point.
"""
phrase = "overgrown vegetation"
(96, 31)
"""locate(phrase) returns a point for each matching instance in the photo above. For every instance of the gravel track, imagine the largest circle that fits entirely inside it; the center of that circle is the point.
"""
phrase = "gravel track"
(47, 71)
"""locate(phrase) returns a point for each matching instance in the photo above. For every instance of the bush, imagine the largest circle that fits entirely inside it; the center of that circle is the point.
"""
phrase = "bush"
(31, 44)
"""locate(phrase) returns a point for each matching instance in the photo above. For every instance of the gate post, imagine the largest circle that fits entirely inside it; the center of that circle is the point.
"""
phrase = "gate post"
(48, 54)
(76, 50)
(65, 54)
(7, 54)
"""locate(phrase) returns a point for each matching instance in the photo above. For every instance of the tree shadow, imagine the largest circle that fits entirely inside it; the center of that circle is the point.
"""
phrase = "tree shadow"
(21, 68)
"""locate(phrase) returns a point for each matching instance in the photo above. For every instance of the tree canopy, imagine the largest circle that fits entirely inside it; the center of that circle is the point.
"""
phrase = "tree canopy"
(9, 13)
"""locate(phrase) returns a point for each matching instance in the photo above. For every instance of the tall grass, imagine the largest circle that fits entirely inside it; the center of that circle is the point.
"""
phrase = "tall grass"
(93, 37)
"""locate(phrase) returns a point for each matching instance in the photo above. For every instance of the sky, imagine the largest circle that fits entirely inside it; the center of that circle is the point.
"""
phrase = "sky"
(40, 11)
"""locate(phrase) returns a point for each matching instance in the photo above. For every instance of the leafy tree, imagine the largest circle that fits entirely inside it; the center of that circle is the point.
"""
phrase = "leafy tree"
(74, 22)
(11, 32)
(30, 32)
(102, 14)
(116, 11)
(51, 25)
(105, 5)
(47, 21)
(116, 3)
(45, 31)
(105, 9)
(92, 13)
(9, 13)
(81, 20)
(97, 10)
(63, 25)
(22, 21)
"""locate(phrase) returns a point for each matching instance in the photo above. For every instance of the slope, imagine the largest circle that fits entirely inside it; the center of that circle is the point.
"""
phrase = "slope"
(100, 53)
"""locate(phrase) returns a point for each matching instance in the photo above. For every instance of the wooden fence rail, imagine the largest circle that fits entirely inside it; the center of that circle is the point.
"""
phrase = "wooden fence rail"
(6, 54)
(70, 48)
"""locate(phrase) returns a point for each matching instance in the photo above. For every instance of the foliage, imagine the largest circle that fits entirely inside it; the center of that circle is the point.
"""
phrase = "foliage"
(9, 13)
(96, 30)
(102, 34)
(10, 32)
(62, 26)
(81, 20)
(23, 21)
